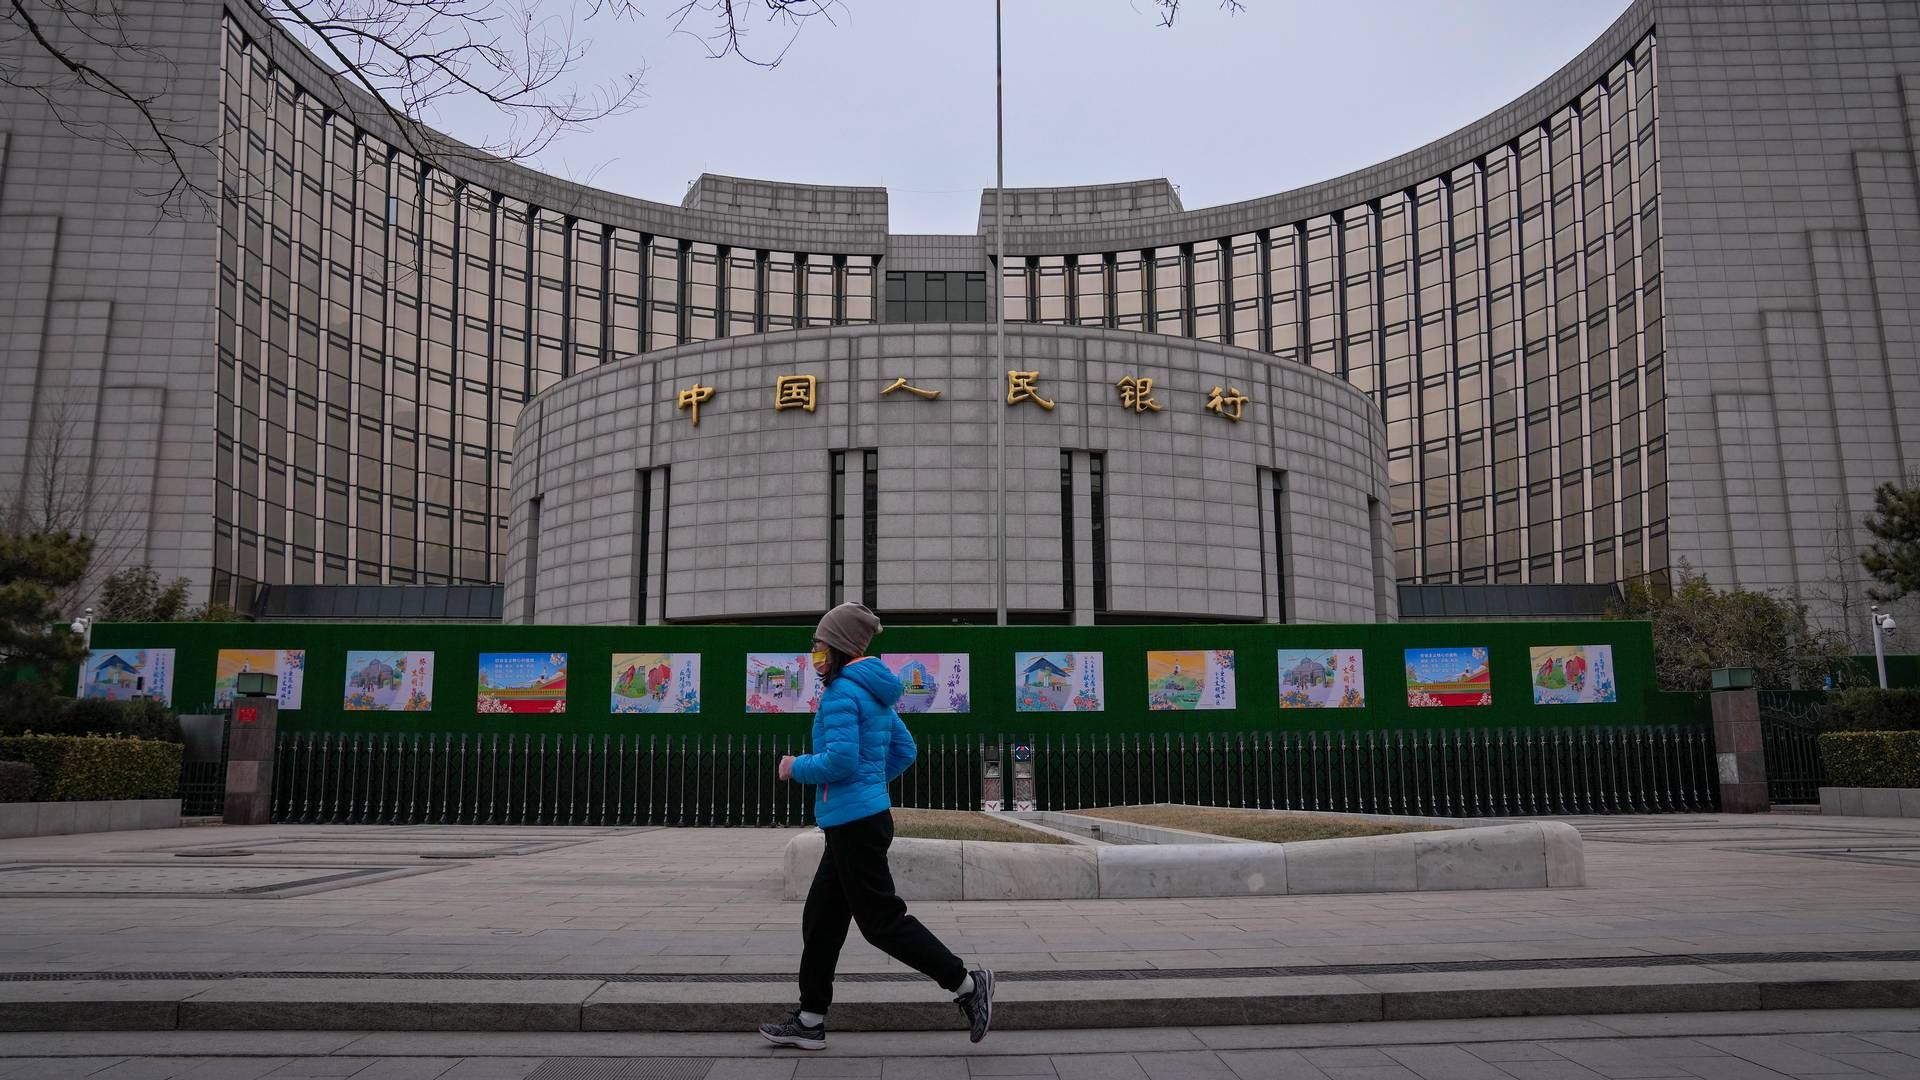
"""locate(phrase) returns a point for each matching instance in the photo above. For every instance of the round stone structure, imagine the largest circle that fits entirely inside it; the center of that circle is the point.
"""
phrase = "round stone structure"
(814, 474)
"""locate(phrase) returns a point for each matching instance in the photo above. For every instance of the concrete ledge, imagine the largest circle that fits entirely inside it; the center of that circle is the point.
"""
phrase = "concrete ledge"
(1515, 855)
(106, 815)
(1870, 802)
(589, 1004)
(1192, 870)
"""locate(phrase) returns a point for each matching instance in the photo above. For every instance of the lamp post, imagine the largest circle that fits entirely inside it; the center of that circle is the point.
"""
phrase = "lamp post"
(1881, 623)
(84, 627)
(999, 330)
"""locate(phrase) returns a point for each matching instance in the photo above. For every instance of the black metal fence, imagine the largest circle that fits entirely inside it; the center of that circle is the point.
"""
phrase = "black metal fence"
(203, 768)
(728, 780)
(1790, 735)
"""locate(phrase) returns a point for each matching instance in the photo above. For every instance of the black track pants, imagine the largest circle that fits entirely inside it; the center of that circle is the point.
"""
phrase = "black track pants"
(854, 885)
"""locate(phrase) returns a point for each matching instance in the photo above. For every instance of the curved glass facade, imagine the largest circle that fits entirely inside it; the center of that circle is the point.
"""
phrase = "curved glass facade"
(1505, 315)
(380, 327)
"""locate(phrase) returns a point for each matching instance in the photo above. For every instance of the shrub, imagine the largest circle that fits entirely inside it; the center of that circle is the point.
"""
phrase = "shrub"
(68, 768)
(16, 781)
(142, 719)
(1876, 759)
(29, 706)
(1873, 709)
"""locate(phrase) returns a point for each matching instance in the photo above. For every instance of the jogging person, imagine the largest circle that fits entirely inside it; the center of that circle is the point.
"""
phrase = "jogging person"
(860, 745)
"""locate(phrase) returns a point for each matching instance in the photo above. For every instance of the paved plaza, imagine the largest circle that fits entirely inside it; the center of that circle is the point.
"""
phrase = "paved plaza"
(509, 946)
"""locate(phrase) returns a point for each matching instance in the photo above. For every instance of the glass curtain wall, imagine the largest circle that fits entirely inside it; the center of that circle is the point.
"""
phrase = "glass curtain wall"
(1505, 316)
(382, 324)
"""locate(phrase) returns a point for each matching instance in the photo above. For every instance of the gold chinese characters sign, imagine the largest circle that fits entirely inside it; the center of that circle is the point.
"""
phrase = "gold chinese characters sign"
(1136, 395)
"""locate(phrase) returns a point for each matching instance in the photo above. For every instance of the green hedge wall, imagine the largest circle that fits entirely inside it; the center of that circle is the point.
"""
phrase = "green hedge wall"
(723, 652)
(80, 768)
(16, 781)
(1873, 709)
(1876, 759)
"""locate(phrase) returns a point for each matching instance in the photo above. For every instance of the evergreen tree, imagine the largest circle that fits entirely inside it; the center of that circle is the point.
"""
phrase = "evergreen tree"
(1894, 558)
(35, 567)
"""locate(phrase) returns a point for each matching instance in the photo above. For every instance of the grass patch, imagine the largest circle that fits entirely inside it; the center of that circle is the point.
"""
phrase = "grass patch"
(1265, 826)
(964, 825)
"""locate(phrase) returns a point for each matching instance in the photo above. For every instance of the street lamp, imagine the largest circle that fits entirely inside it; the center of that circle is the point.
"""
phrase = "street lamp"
(1881, 623)
(84, 627)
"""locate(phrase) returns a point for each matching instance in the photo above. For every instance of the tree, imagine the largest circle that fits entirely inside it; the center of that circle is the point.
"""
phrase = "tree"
(137, 595)
(90, 65)
(35, 567)
(1894, 558)
(62, 492)
(1697, 628)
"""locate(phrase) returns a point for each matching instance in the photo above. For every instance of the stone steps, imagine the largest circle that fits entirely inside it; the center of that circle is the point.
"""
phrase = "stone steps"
(1189, 999)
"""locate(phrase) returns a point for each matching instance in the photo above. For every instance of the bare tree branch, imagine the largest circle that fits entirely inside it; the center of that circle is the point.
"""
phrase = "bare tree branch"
(1169, 10)
(725, 36)
(155, 138)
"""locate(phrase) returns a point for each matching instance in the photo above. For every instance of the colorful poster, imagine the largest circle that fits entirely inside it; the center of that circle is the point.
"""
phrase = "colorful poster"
(290, 665)
(523, 682)
(389, 682)
(1190, 680)
(1322, 679)
(931, 682)
(1573, 674)
(1059, 682)
(656, 682)
(1445, 677)
(128, 674)
(782, 683)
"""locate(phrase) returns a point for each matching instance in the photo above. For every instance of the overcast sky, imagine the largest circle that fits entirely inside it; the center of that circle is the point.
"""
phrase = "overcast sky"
(899, 94)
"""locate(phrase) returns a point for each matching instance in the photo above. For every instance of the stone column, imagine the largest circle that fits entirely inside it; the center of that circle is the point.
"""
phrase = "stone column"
(250, 742)
(1738, 749)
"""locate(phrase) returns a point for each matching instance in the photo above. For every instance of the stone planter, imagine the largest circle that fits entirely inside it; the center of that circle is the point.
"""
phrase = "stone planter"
(1870, 801)
(1515, 855)
(62, 818)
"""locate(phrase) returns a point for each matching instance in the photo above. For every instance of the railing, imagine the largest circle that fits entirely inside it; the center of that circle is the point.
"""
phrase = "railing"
(725, 780)
(1473, 772)
(1790, 735)
(203, 784)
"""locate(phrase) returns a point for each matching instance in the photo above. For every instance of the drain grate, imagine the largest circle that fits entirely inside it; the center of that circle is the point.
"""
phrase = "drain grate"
(652, 1068)
(1888, 956)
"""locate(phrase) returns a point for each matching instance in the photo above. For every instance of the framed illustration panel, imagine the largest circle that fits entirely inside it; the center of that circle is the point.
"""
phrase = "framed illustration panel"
(389, 682)
(1059, 682)
(1442, 678)
(782, 683)
(128, 674)
(930, 682)
(289, 665)
(523, 682)
(1190, 680)
(656, 683)
(1573, 674)
(1322, 679)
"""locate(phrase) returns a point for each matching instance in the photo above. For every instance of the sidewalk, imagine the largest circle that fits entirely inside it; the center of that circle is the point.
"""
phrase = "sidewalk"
(1717, 1046)
(570, 929)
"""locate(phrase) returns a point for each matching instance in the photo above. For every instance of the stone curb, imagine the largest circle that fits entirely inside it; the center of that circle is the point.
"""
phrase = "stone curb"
(588, 1005)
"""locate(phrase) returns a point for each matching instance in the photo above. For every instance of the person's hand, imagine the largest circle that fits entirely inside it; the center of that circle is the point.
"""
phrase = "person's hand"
(785, 770)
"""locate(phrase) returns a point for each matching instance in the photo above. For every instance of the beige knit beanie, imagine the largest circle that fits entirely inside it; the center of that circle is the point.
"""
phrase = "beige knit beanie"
(848, 628)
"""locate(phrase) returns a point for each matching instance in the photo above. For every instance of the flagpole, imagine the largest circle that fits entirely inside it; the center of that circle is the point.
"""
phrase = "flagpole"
(999, 326)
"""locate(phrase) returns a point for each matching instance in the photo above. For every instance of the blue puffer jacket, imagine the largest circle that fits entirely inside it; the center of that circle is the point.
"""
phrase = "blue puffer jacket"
(859, 744)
